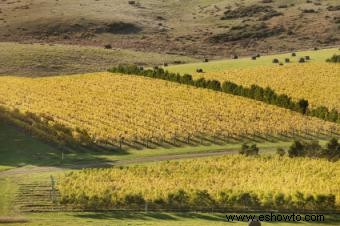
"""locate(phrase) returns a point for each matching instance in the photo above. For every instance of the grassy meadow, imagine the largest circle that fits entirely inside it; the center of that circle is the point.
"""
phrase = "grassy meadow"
(152, 219)
(56, 59)
(246, 62)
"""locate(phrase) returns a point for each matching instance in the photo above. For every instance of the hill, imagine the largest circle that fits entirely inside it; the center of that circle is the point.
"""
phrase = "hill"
(192, 27)
(120, 109)
(56, 59)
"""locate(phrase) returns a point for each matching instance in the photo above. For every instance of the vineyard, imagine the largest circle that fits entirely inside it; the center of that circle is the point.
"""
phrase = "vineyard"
(229, 182)
(118, 109)
(317, 82)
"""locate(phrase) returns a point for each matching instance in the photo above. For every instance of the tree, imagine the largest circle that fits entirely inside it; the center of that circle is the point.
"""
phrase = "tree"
(281, 152)
(179, 199)
(312, 149)
(201, 199)
(249, 150)
(332, 150)
(296, 149)
(303, 106)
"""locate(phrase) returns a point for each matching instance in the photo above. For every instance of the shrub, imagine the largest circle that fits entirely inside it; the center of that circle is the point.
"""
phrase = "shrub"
(302, 60)
(296, 149)
(254, 31)
(206, 60)
(333, 8)
(293, 54)
(308, 11)
(201, 199)
(312, 149)
(334, 59)
(280, 151)
(253, 57)
(108, 46)
(134, 200)
(249, 150)
(302, 106)
(178, 199)
(307, 57)
(332, 150)
(287, 60)
(275, 61)
(250, 11)
(199, 70)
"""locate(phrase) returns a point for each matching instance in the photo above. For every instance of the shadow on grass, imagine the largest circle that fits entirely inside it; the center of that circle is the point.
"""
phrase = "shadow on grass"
(19, 149)
(330, 219)
(125, 215)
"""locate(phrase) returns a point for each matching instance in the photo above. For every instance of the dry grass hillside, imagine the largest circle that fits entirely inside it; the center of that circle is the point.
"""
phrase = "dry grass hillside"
(211, 28)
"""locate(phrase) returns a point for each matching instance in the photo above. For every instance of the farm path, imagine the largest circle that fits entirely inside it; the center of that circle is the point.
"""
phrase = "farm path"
(52, 169)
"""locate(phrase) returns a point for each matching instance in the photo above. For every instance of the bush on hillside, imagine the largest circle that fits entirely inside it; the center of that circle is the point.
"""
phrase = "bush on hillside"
(249, 150)
(334, 59)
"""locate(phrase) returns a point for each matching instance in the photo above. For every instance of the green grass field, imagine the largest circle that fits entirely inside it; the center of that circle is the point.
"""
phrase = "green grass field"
(20, 150)
(151, 218)
(247, 62)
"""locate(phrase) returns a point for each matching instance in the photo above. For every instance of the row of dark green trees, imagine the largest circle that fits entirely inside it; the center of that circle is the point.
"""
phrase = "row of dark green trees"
(312, 149)
(201, 200)
(255, 92)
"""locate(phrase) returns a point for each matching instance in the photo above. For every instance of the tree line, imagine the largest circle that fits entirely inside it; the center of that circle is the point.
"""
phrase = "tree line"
(266, 95)
(313, 149)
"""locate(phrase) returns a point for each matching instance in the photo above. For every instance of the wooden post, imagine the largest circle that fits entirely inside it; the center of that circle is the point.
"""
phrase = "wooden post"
(146, 207)
(52, 192)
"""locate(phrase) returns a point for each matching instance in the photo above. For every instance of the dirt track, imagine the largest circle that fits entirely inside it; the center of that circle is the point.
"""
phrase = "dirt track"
(45, 169)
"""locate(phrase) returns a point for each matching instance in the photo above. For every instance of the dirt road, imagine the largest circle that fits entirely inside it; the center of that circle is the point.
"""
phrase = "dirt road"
(45, 169)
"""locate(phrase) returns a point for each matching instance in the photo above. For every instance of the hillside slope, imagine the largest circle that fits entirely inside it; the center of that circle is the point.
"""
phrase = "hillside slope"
(193, 27)
(115, 107)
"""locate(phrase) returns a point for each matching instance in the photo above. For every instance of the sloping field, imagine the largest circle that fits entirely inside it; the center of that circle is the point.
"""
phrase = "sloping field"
(55, 59)
(247, 62)
(116, 107)
(319, 83)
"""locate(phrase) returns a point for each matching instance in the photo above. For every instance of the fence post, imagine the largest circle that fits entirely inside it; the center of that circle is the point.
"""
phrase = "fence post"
(146, 207)
(52, 192)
